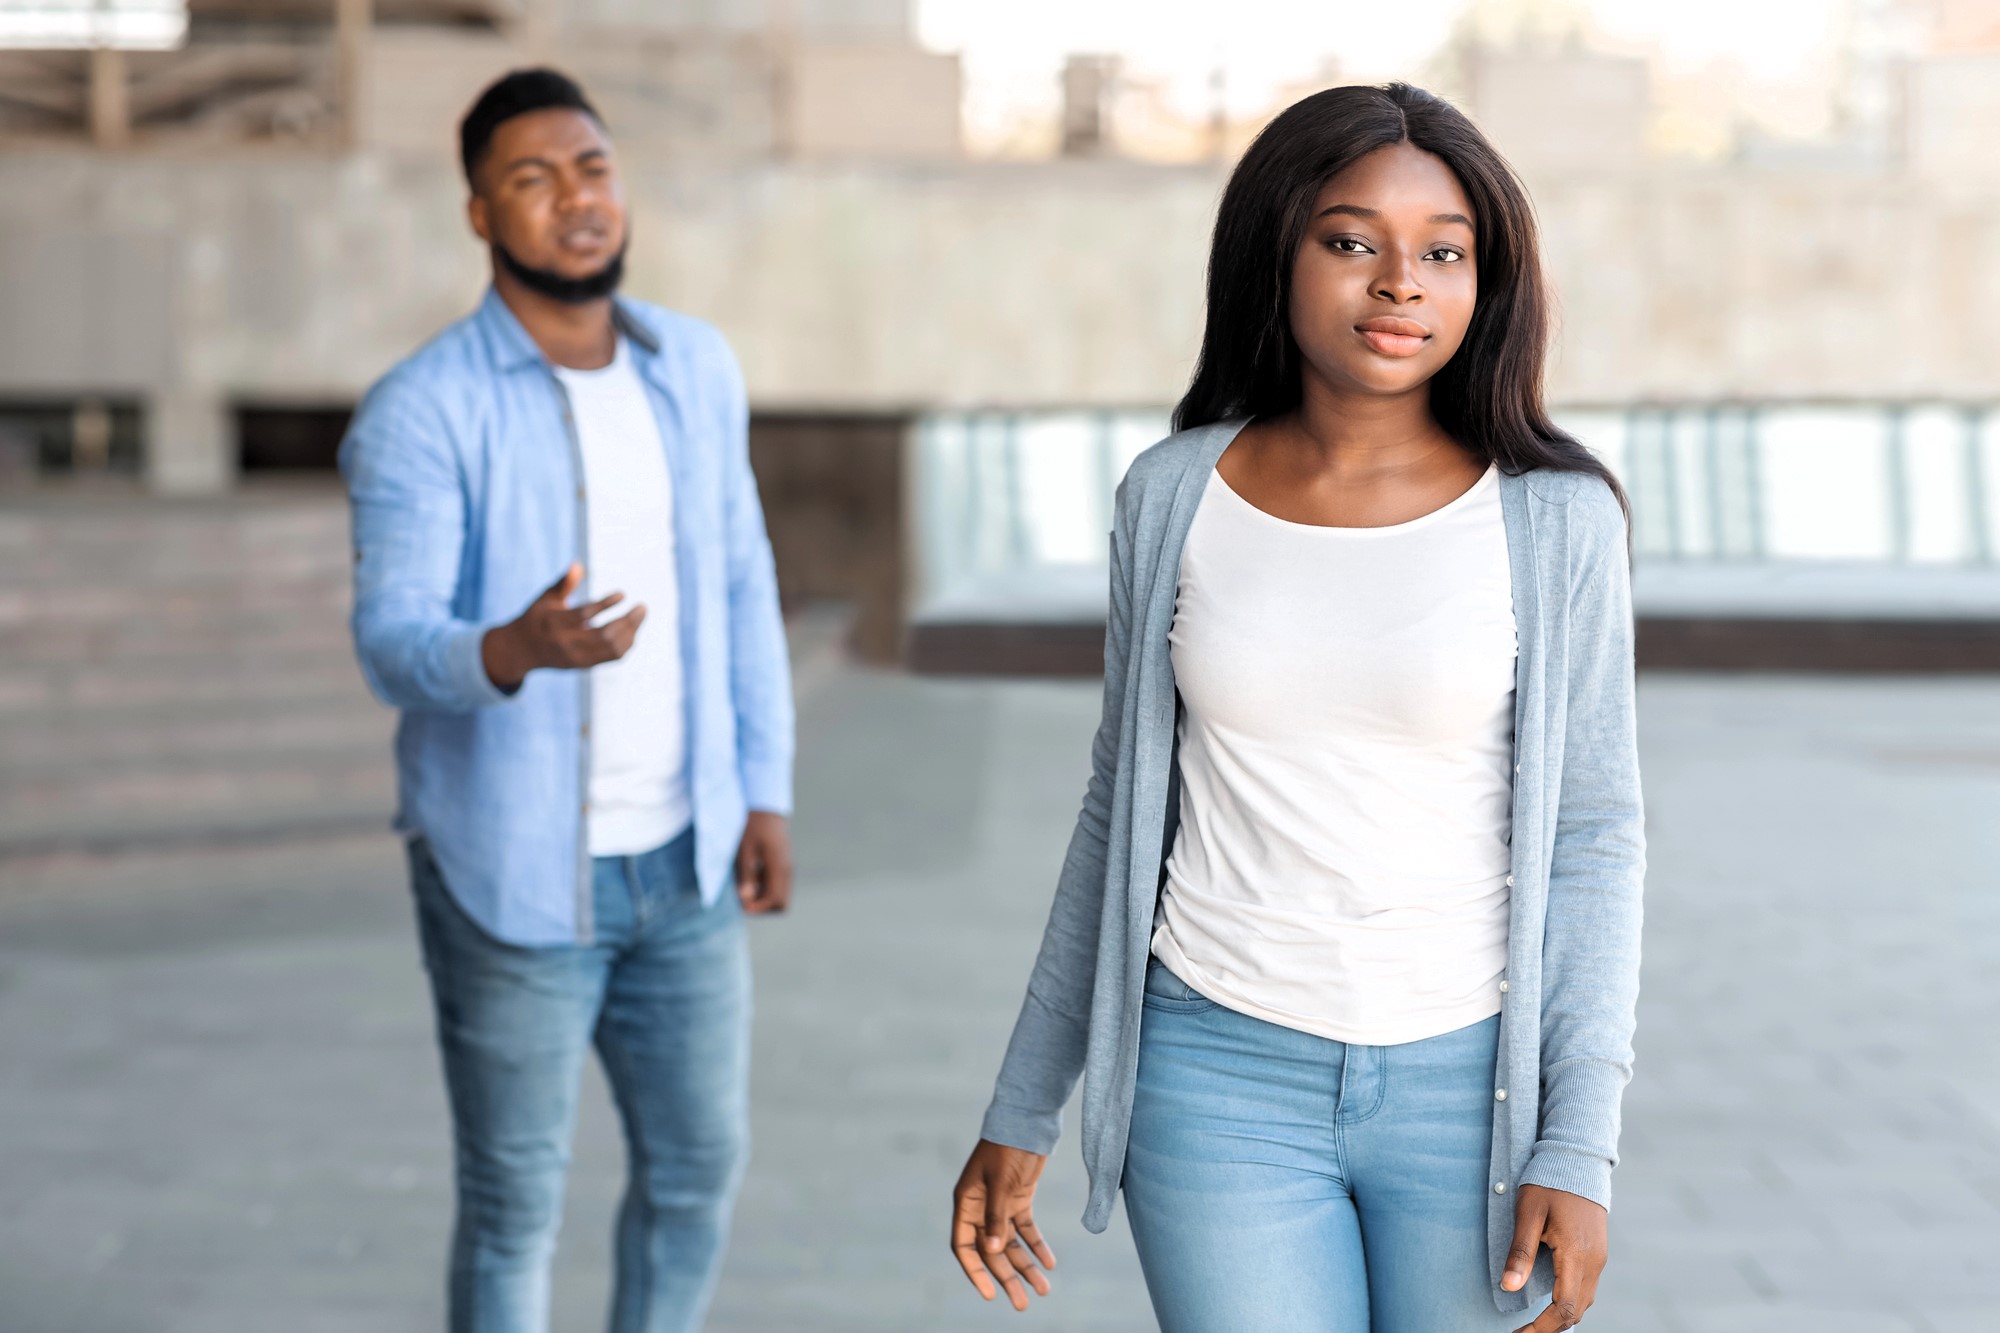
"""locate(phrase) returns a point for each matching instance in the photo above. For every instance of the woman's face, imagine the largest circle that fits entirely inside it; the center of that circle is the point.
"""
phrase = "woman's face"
(1384, 282)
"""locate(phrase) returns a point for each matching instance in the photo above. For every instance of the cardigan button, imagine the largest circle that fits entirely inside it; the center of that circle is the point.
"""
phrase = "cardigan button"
(1503, 987)
(1499, 1187)
(1499, 1094)
(1510, 881)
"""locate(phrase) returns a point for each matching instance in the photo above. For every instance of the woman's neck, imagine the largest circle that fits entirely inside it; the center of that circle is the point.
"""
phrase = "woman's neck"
(1350, 460)
(1361, 437)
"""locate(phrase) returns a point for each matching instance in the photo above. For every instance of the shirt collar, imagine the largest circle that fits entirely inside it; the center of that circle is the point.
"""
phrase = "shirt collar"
(512, 348)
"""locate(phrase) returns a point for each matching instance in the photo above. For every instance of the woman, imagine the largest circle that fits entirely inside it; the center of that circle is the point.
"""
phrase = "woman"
(1346, 943)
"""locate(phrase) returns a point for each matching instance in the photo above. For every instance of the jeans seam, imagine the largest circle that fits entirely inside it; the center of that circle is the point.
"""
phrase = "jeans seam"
(1381, 1064)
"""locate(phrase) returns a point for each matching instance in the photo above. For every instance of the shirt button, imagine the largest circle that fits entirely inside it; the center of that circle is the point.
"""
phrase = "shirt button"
(586, 807)
(1499, 1187)
(1500, 1094)
(1503, 988)
(586, 728)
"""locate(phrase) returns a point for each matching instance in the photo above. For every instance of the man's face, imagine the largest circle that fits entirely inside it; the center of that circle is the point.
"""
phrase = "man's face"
(548, 197)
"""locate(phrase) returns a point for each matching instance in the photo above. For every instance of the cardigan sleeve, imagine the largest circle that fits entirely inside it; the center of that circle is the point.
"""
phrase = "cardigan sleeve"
(1045, 1056)
(1590, 950)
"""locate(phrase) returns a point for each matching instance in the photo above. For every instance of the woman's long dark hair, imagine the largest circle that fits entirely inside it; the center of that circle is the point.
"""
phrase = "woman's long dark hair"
(1489, 395)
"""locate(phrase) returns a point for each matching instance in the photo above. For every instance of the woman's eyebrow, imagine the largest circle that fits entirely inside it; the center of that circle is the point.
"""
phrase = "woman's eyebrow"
(1357, 211)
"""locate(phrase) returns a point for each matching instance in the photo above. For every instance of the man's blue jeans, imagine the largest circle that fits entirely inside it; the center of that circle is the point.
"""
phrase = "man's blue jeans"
(664, 995)
(1283, 1182)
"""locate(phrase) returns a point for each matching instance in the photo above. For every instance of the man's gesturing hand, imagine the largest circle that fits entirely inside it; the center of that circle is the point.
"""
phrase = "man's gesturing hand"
(993, 1223)
(1577, 1234)
(552, 633)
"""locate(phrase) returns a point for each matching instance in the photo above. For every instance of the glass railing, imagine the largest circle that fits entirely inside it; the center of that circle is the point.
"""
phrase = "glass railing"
(1013, 507)
(1895, 482)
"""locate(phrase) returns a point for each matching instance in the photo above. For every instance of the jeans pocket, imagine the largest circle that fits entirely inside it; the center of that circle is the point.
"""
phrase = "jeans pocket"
(1165, 991)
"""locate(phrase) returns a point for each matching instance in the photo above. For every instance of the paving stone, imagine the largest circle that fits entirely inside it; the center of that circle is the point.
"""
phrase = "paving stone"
(222, 1111)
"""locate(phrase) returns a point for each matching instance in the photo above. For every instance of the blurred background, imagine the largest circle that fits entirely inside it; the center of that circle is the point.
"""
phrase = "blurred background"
(958, 247)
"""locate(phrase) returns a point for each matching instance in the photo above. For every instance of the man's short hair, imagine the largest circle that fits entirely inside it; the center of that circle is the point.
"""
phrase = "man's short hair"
(515, 94)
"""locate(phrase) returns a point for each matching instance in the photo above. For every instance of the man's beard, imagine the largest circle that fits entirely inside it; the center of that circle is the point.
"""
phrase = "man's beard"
(569, 291)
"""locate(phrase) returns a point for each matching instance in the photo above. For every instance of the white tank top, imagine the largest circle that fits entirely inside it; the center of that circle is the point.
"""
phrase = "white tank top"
(1346, 760)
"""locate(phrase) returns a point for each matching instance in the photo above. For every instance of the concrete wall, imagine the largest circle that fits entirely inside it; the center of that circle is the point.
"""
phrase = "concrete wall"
(1954, 108)
(1561, 113)
(860, 266)
(864, 288)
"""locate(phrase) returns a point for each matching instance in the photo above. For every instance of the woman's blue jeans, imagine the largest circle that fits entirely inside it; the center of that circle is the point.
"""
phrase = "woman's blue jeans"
(1283, 1182)
(664, 995)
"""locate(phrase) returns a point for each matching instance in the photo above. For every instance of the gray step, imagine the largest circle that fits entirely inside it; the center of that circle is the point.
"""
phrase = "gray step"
(59, 745)
(182, 672)
(112, 687)
(193, 802)
(217, 638)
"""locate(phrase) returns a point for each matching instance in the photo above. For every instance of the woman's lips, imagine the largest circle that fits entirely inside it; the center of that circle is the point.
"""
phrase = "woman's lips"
(1394, 337)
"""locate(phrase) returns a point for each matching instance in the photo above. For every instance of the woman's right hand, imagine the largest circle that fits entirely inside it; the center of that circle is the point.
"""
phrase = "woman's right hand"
(993, 1223)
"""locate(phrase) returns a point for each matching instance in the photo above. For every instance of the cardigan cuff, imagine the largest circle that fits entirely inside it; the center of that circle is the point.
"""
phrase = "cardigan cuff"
(1572, 1172)
(1030, 1131)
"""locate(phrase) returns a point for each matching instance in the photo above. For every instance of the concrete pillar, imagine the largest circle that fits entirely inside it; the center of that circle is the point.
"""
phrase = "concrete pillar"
(351, 21)
(190, 442)
(1087, 83)
(110, 104)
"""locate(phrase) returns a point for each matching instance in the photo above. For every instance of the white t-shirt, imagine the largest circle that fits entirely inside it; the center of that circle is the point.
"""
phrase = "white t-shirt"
(638, 713)
(1346, 759)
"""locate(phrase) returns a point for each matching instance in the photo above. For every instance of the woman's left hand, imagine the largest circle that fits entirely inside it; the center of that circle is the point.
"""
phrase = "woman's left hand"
(1577, 1233)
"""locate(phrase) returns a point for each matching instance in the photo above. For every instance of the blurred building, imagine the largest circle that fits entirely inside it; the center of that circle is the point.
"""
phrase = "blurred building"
(208, 251)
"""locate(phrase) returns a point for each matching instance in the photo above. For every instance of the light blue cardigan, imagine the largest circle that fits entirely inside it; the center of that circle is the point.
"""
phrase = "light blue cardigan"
(1578, 850)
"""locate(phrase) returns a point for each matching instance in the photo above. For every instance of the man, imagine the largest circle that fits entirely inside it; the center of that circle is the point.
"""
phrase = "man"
(562, 579)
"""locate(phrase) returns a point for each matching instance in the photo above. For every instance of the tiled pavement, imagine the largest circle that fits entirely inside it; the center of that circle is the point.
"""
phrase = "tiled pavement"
(219, 1109)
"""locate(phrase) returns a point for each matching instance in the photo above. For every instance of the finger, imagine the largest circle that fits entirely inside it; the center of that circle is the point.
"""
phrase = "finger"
(1565, 1308)
(1530, 1217)
(1003, 1272)
(1025, 1224)
(1552, 1320)
(1024, 1264)
(610, 641)
(761, 902)
(565, 587)
(583, 615)
(775, 888)
(999, 1225)
(1570, 1298)
(965, 1245)
(975, 1270)
(747, 858)
(621, 632)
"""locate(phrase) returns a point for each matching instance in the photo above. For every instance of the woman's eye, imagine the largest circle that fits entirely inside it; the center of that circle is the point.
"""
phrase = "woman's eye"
(1348, 245)
(1445, 254)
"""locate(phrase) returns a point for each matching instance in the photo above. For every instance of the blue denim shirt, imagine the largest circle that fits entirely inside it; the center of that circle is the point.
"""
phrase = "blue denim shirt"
(466, 484)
